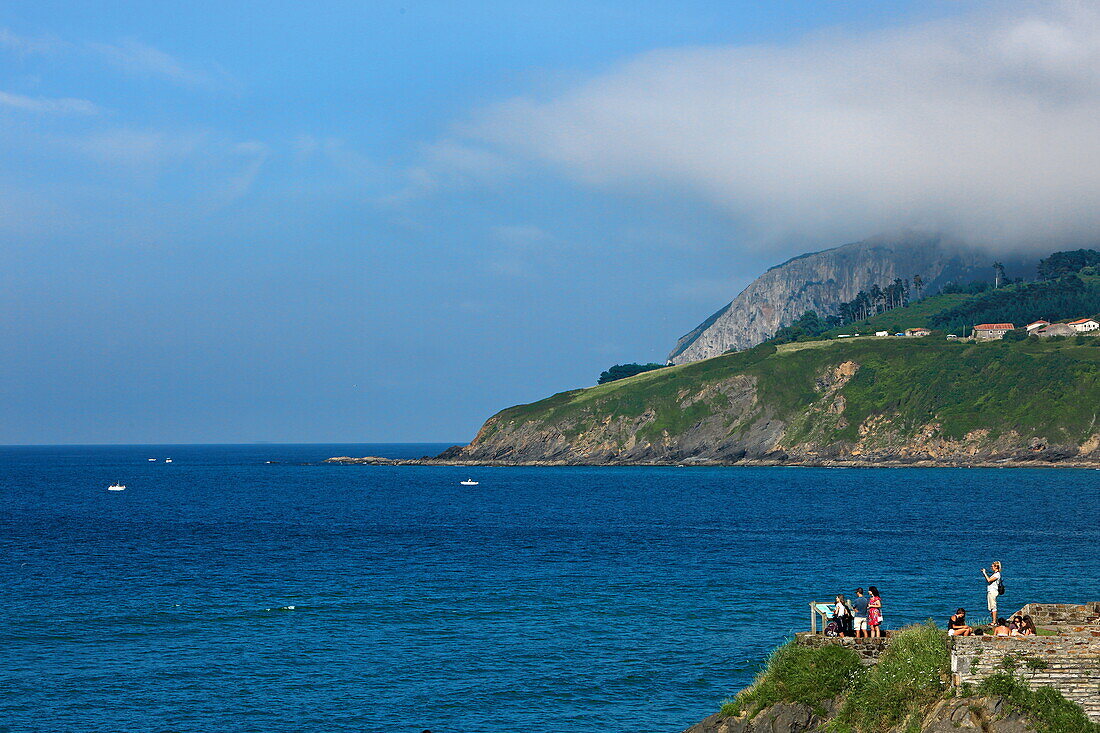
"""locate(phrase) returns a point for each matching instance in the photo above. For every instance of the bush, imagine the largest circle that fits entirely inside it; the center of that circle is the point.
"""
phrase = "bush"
(799, 674)
(1047, 709)
(622, 371)
(911, 675)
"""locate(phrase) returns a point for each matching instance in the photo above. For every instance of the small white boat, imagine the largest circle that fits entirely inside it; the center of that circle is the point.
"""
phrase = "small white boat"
(152, 459)
(468, 482)
(116, 486)
(167, 460)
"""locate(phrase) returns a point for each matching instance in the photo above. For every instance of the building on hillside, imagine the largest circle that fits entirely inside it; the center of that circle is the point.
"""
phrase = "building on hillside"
(952, 337)
(1084, 325)
(1036, 325)
(991, 331)
(917, 332)
(882, 333)
(1056, 329)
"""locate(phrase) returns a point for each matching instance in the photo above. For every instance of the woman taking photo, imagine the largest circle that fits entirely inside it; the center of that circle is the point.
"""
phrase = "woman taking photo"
(992, 589)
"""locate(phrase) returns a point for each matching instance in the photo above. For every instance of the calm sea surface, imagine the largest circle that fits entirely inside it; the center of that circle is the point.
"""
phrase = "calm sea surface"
(224, 593)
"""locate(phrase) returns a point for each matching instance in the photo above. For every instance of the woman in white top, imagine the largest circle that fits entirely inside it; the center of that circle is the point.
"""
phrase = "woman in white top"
(992, 589)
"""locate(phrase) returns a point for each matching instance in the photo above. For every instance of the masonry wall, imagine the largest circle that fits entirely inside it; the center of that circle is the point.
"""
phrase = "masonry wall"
(868, 649)
(1070, 664)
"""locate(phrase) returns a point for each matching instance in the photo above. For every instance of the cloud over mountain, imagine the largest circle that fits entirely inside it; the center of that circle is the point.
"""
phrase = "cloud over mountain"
(982, 125)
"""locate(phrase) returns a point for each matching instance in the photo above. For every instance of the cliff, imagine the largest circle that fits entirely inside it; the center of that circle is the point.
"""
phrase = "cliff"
(853, 401)
(821, 281)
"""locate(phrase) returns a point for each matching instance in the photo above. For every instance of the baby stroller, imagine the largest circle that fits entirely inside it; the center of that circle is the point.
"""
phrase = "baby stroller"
(839, 625)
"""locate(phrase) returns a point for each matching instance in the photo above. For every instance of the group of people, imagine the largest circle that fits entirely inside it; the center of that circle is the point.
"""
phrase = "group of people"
(1018, 626)
(862, 616)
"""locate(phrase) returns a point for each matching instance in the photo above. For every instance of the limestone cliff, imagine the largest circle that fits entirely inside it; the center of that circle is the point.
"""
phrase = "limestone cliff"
(821, 281)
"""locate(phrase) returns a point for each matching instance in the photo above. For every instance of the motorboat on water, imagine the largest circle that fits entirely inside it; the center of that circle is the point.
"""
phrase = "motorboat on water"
(167, 460)
(116, 486)
(152, 459)
(468, 482)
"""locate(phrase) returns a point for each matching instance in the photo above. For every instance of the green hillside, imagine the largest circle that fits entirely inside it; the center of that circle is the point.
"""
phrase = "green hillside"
(914, 315)
(1074, 296)
(883, 396)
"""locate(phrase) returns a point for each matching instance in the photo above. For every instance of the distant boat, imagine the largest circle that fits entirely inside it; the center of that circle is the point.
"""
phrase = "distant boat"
(167, 460)
(116, 486)
(152, 459)
(468, 482)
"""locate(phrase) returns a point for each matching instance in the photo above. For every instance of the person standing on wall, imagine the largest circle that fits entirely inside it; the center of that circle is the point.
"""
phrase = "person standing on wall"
(994, 587)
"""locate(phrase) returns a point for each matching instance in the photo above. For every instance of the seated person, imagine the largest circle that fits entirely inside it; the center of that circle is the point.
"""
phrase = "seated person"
(1015, 625)
(956, 625)
(1027, 627)
(1002, 628)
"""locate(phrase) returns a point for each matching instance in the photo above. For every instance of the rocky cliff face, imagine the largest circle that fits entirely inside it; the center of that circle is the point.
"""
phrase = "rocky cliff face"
(821, 281)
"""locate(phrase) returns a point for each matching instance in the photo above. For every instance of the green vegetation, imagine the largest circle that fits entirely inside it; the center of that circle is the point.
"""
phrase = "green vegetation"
(1068, 297)
(1047, 709)
(910, 678)
(794, 673)
(913, 315)
(622, 371)
(1033, 387)
(911, 675)
(1060, 264)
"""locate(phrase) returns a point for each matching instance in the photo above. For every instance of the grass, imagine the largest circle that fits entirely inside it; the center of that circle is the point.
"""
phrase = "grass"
(911, 675)
(807, 675)
(1039, 388)
(1047, 709)
(914, 315)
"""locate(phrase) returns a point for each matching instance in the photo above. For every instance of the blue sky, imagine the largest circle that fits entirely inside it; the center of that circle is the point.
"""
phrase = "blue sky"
(346, 221)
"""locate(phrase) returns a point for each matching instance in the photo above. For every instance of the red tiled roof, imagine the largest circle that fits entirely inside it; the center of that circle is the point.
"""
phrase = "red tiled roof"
(1081, 320)
(994, 327)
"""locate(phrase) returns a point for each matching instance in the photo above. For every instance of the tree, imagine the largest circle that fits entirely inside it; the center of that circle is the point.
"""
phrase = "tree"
(622, 371)
(1059, 264)
(918, 284)
(998, 274)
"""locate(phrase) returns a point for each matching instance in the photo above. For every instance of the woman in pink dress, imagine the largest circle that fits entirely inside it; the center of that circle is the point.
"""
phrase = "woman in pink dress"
(874, 612)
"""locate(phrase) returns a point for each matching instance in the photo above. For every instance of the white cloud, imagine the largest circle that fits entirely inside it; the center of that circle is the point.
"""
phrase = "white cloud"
(46, 105)
(982, 125)
(141, 59)
(137, 149)
(27, 45)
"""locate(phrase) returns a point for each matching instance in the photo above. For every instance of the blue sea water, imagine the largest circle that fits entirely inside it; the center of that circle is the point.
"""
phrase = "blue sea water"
(225, 593)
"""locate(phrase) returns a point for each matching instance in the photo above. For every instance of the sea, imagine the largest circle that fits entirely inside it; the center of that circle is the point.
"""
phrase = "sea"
(255, 588)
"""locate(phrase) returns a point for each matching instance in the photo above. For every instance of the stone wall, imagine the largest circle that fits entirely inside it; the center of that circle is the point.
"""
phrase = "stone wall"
(868, 649)
(1069, 664)
(1062, 614)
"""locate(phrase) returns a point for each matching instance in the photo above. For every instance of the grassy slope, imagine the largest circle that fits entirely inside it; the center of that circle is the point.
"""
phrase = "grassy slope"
(918, 313)
(1048, 388)
(911, 316)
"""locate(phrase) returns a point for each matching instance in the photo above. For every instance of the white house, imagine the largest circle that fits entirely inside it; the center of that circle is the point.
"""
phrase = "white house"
(882, 333)
(1084, 325)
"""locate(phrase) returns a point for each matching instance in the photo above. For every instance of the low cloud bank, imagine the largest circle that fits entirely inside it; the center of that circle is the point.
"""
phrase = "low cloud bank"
(982, 126)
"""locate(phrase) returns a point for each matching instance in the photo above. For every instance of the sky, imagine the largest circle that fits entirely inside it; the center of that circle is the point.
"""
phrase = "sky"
(385, 221)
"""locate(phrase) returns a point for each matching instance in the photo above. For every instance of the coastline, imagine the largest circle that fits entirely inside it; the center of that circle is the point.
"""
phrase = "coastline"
(709, 463)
